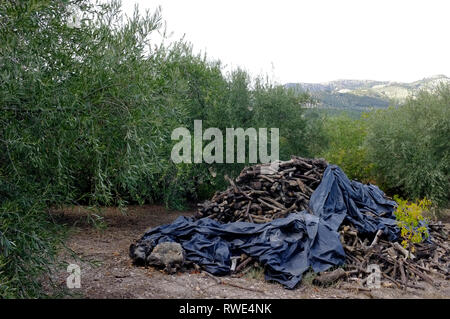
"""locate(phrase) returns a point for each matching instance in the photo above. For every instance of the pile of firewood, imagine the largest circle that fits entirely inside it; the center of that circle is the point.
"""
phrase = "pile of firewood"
(260, 194)
(399, 266)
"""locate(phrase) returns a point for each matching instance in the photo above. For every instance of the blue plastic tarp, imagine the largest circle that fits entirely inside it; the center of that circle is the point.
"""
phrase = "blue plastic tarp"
(289, 246)
(338, 199)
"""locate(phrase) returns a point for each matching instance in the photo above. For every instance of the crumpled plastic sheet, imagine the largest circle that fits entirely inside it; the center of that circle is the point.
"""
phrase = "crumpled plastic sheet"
(289, 246)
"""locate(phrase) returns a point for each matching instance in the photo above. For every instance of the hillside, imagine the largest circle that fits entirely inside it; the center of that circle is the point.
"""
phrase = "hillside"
(361, 95)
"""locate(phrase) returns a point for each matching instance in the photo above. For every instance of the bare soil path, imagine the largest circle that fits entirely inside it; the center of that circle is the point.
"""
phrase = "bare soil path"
(107, 272)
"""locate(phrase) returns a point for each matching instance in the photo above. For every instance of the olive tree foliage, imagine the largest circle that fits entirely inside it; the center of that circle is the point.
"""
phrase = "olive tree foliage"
(346, 148)
(276, 107)
(82, 105)
(88, 102)
(86, 115)
(410, 146)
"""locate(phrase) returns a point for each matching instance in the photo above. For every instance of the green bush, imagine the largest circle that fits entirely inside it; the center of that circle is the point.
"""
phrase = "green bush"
(87, 111)
(28, 244)
(346, 146)
(409, 219)
(275, 107)
(410, 146)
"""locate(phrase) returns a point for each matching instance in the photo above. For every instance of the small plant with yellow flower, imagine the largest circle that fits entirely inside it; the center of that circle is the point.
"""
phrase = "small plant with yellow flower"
(409, 217)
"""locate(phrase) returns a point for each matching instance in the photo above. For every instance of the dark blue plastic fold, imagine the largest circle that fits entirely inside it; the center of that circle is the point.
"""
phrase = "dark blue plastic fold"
(287, 247)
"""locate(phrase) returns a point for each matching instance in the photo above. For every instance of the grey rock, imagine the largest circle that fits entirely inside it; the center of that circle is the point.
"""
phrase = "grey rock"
(168, 255)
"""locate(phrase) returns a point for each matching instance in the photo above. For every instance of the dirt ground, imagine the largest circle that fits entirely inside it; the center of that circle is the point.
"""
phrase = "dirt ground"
(107, 272)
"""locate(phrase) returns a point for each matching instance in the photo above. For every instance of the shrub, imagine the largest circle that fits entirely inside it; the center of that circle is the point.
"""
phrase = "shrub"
(28, 241)
(346, 146)
(410, 221)
(275, 107)
(87, 112)
(410, 146)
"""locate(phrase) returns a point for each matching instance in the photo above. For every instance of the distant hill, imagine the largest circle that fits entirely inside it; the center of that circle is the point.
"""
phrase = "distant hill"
(362, 95)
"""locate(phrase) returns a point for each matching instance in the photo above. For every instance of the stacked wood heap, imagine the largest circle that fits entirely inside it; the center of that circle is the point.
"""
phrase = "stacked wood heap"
(399, 267)
(259, 194)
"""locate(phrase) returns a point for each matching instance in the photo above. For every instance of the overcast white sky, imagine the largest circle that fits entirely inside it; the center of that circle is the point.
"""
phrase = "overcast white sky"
(317, 40)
